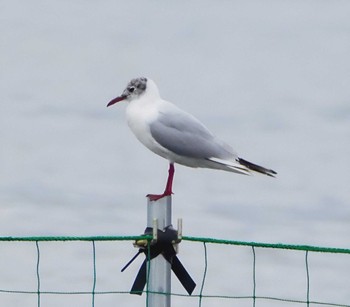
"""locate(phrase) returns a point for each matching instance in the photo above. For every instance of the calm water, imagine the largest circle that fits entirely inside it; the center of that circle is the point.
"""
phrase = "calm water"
(270, 78)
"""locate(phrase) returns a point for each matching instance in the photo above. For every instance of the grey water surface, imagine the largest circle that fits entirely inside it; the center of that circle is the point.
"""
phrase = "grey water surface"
(271, 78)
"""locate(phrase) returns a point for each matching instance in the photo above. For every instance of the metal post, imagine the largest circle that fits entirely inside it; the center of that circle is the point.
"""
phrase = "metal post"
(160, 269)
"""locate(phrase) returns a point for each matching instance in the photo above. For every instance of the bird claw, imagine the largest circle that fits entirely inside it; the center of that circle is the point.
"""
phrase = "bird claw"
(168, 188)
(155, 197)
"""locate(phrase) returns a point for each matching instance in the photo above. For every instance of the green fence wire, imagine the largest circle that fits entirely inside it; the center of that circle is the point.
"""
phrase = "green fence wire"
(200, 296)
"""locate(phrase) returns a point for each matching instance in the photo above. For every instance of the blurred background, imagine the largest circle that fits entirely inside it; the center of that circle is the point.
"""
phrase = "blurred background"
(270, 78)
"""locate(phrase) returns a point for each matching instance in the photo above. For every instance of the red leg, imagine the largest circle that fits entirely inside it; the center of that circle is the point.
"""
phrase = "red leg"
(169, 184)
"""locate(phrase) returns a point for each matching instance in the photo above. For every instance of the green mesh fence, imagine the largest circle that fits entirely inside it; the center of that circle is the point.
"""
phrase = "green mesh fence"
(203, 295)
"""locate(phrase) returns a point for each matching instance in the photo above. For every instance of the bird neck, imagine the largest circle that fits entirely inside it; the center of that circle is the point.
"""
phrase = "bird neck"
(152, 90)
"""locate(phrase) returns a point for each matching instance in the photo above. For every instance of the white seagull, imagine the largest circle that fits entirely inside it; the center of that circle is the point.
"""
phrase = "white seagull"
(176, 135)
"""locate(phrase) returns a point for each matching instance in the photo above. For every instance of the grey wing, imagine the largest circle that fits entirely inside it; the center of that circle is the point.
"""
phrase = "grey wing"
(184, 135)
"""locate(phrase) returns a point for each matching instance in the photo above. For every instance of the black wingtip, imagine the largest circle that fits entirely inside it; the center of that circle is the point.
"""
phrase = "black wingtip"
(257, 168)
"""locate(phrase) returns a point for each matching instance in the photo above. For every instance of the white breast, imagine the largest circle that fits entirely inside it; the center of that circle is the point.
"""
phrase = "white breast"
(139, 115)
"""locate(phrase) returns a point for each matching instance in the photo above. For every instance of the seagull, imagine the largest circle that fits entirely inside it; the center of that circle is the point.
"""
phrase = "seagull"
(176, 135)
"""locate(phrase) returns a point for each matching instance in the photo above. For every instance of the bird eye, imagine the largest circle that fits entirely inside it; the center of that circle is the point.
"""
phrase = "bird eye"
(131, 89)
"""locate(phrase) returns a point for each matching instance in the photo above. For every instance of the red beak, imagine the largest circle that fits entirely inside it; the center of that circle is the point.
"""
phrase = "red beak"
(115, 100)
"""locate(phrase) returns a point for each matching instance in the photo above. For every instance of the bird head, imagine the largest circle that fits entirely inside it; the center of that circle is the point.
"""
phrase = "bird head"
(134, 89)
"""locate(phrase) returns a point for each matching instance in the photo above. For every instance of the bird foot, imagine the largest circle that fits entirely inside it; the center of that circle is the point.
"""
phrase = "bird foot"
(168, 188)
(155, 197)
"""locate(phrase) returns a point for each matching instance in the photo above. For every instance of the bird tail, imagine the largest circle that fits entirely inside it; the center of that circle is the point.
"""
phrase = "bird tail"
(257, 168)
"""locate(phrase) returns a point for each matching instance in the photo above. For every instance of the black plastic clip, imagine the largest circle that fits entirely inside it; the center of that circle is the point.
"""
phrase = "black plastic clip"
(163, 245)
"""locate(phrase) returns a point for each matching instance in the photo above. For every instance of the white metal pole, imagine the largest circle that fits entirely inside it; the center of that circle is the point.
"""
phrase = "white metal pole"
(160, 269)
